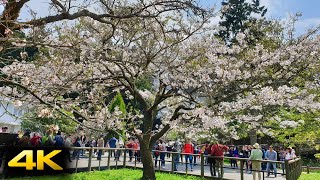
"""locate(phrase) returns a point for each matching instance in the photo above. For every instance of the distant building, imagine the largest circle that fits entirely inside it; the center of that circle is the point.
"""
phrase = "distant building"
(10, 115)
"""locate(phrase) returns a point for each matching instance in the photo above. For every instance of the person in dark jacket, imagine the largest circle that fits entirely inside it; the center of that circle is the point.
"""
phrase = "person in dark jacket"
(25, 139)
(76, 152)
(156, 154)
(231, 154)
(245, 154)
(264, 164)
(211, 160)
(59, 141)
(112, 144)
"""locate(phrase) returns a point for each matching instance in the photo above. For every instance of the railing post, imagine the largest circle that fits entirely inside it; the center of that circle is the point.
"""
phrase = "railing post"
(77, 162)
(202, 164)
(300, 164)
(109, 157)
(222, 162)
(90, 159)
(186, 164)
(135, 161)
(241, 169)
(124, 158)
(286, 165)
(116, 158)
(172, 163)
(295, 169)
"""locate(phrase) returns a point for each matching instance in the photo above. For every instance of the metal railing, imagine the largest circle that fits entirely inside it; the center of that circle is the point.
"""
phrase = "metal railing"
(291, 169)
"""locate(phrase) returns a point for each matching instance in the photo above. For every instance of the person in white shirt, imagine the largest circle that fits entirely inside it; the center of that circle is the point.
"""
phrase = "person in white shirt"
(293, 153)
(162, 148)
(288, 154)
(119, 144)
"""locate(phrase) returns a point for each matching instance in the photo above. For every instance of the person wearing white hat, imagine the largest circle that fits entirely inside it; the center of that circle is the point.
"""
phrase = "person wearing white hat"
(256, 154)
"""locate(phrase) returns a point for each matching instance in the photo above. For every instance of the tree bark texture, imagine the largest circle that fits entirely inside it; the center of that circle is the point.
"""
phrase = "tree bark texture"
(146, 157)
(253, 136)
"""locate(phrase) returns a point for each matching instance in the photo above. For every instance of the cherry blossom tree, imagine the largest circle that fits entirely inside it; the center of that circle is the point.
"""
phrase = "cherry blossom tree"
(253, 85)
(78, 65)
(199, 83)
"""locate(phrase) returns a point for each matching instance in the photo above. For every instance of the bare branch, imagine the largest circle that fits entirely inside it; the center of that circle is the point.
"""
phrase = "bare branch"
(60, 5)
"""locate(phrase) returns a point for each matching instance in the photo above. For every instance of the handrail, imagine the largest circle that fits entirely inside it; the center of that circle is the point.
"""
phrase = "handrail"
(293, 167)
(294, 160)
(215, 157)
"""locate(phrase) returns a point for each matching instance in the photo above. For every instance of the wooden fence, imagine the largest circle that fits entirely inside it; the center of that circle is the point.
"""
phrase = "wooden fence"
(293, 168)
(309, 169)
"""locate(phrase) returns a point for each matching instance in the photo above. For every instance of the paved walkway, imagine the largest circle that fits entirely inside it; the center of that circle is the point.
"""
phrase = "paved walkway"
(228, 172)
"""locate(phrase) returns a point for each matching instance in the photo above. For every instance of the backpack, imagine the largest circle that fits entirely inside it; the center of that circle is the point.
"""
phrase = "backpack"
(157, 153)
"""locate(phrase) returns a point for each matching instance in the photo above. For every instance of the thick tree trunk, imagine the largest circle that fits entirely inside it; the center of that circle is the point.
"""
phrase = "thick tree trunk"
(9, 16)
(253, 136)
(146, 157)
(147, 141)
(232, 141)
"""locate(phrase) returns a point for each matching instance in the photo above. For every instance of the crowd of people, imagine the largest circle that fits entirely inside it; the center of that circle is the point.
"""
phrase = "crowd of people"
(267, 153)
(178, 150)
(132, 144)
(50, 138)
(56, 138)
(215, 153)
(186, 152)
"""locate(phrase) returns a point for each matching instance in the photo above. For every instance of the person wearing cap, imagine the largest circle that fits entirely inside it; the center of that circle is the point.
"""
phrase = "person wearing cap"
(272, 156)
(256, 154)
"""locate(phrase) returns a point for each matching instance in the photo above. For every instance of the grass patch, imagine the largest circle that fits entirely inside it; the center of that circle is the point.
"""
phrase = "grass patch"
(311, 176)
(119, 174)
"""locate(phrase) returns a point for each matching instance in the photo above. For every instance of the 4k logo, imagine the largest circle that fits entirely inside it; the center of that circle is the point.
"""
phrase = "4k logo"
(41, 159)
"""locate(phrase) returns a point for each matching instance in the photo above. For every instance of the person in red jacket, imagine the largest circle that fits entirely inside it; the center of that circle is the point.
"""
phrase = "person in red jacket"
(188, 150)
(35, 140)
(129, 145)
(217, 150)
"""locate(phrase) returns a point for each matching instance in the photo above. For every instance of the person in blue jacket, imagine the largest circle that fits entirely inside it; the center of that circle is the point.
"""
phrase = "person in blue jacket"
(112, 144)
